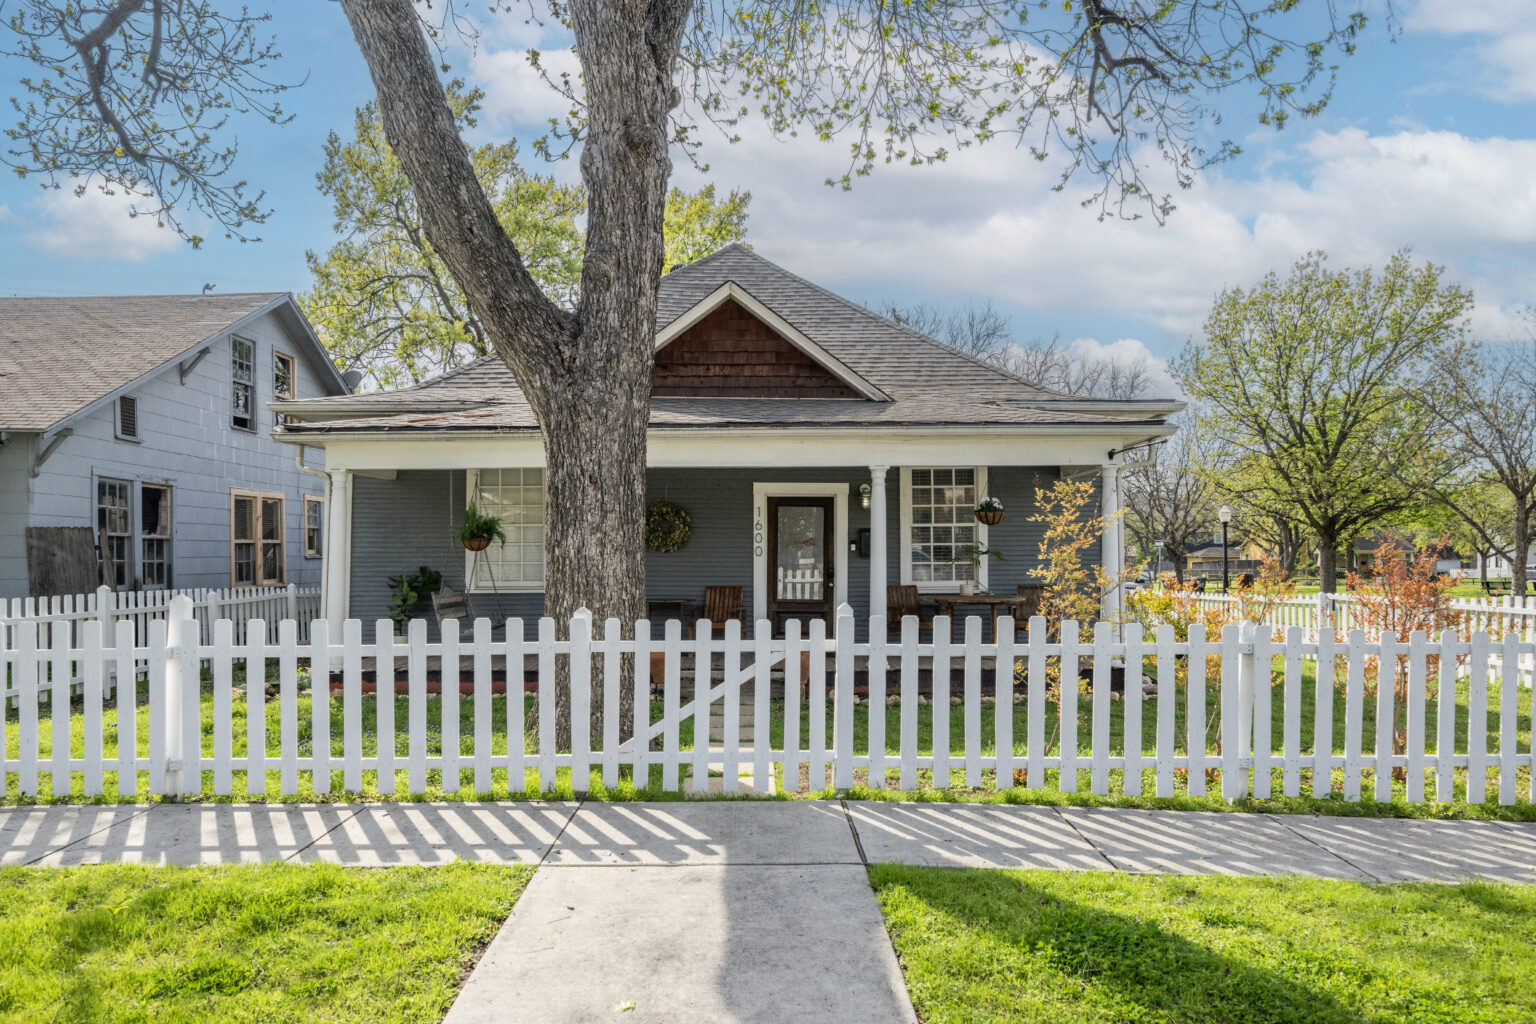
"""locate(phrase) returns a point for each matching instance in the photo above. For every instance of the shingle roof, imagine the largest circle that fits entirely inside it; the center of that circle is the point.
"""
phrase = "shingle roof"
(58, 355)
(929, 383)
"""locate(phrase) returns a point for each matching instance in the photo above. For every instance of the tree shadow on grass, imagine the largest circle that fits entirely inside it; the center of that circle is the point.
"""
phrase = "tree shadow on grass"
(986, 946)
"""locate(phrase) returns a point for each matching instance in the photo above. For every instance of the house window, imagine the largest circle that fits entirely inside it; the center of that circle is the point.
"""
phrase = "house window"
(256, 540)
(314, 527)
(938, 524)
(128, 418)
(114, 529)
(243, 395)
(516, 497)
(154, 536)
(283, 377)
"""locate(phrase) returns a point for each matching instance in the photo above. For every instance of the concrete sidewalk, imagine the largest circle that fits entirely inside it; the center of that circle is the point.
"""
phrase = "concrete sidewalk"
(740, 912)
(729, 833)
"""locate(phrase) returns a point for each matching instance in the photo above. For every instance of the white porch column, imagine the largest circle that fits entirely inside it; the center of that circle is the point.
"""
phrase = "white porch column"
(1111, 546)
(336, 593)
(877, 540)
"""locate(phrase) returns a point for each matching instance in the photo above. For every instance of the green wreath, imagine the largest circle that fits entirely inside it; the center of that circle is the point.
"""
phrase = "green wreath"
(667, 526)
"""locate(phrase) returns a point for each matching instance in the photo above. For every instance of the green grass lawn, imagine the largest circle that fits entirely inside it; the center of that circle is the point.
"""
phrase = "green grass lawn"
(992, 947)
(268, 944)
(946, 789)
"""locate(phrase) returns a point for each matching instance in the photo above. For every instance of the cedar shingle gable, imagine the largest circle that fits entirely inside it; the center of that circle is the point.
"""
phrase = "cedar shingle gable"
(732, 354)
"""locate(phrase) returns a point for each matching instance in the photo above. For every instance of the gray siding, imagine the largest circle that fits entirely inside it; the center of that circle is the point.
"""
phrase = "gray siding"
(186, 441)
(410, 521)
(15, 460)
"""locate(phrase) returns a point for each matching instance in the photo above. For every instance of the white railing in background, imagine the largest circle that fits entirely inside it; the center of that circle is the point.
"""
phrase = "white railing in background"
(1243, 670)
(799, 584)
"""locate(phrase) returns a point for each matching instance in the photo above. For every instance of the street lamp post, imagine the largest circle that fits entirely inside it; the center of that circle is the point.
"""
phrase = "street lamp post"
(1157, 572)
(1225, 515)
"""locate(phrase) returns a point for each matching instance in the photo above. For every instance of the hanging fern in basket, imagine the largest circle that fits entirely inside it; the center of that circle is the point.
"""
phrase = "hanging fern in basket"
(667, 526)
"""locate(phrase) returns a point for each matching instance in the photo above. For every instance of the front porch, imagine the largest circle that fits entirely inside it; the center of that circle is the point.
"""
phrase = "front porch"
(798, 542)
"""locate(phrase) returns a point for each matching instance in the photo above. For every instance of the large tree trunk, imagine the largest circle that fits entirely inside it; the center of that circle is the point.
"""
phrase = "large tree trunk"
(586, 374)
(1522, 549)
(1327, 561)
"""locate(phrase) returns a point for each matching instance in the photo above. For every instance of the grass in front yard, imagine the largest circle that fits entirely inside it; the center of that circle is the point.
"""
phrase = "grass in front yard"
(992, 947)
(269, 943)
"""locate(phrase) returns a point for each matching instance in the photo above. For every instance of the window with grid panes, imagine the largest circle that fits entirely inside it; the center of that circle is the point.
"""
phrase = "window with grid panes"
(114, 529)
(243, 386)
(942, 505)
(516, 497)
(242, 538)
(283, 376)
(154, 536)
(314, 527)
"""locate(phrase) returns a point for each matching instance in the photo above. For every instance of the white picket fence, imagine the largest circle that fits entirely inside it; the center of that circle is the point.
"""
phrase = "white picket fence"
(799, 584)
(141, 607)
(187, 737)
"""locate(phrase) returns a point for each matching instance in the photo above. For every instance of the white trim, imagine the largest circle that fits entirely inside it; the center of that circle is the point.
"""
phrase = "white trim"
(733, 291)
(775, 448)
(761, 492)
(905, 533)
(472, 558)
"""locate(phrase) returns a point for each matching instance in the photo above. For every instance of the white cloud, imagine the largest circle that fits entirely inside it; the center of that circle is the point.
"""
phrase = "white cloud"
(516, 94)
(95, 226)
(986, 224)
(1505, 54)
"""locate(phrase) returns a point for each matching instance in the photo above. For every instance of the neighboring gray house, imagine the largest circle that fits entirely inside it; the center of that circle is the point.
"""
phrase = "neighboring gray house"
(820, 450)
(145, 418)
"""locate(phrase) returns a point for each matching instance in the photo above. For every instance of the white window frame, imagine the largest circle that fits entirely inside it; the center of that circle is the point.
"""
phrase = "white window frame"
(283, 359)
(248, 382)
(905, 534)
(168, 537)
(127, 534)
(117, 419)
(472, 560)
(318, 551)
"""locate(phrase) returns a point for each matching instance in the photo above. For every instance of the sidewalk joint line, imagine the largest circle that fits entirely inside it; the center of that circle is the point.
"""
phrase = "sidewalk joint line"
(1327, 850)
(1091, 844)
(76, 842)
(358, 809)
(582, 802)
(857, 843)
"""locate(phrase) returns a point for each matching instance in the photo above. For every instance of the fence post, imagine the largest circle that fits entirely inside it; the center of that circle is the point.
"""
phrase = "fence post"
(293, 602)
(104, 605)
(214, 609)
(842, 701)
(176, 643)
(1237, 729)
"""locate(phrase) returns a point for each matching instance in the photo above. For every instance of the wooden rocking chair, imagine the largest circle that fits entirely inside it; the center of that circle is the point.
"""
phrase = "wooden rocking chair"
(722, 604)
(901, 601)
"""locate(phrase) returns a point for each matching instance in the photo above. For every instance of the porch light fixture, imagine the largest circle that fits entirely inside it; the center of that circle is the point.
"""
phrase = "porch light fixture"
(863, 495)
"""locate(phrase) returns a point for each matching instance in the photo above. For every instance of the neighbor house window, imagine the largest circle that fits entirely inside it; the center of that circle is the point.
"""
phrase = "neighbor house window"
(154, 536)
(256, 540)
(128, 418)
(283, 377)
(314, 527)
(938, 524)
(516, 497)
(243, 394)
(114, 529)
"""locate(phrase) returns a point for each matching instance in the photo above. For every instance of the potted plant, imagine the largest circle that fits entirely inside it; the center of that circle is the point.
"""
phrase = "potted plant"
(408, 589)
(990, 511)
(478, 529)
(976, 552)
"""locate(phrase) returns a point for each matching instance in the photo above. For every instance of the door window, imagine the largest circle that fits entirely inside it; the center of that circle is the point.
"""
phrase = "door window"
(801, 555)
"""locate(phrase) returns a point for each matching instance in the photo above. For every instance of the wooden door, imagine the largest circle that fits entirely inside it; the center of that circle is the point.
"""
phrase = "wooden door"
(800, 559)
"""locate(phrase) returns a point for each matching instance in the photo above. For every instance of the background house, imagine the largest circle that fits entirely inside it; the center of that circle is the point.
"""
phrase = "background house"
(143, 419)
(821, 451)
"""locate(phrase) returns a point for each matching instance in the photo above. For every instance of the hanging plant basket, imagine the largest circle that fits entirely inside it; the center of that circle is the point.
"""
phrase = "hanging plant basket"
(990, 516)
(477, 543)
(667, 526)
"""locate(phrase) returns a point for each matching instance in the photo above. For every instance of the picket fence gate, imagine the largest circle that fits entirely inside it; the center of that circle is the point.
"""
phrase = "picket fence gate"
(185, 740)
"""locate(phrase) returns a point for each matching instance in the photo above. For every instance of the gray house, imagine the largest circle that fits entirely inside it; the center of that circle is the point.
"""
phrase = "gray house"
(820, 451)
(144, 418)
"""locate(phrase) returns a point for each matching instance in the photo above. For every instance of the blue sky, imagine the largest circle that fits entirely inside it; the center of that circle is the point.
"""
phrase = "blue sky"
(1430, 142)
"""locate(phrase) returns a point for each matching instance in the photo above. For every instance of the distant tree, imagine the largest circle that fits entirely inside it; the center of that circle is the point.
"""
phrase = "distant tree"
(976, 329)
(1485, 434)
(1319, 383)
(383, 301)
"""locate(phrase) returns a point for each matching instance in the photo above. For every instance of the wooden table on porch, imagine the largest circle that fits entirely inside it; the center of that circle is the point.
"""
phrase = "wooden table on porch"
(945, 604)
